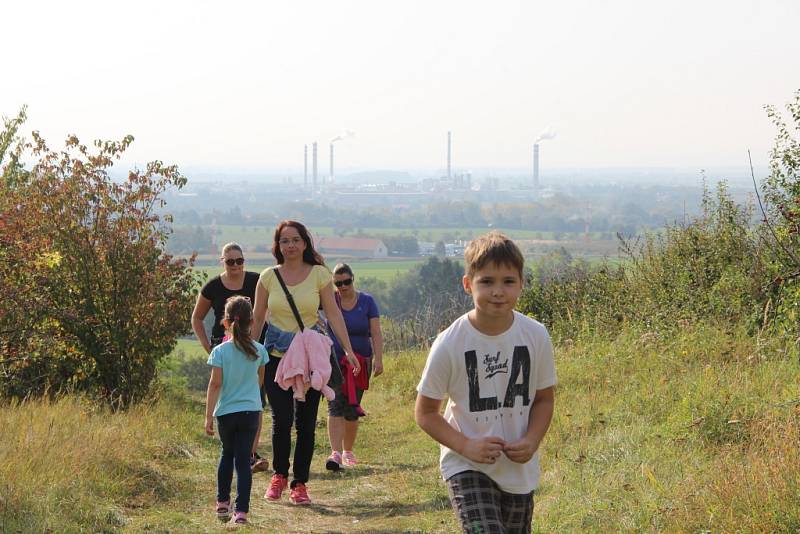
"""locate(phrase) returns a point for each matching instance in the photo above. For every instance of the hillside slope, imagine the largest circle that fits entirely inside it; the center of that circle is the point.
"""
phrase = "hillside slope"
(695, 433)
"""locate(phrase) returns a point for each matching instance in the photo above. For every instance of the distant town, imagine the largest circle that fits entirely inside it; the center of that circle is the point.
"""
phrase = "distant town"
(391, 214)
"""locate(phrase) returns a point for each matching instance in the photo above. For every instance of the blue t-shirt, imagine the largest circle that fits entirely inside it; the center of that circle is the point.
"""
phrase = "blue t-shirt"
(240, 391)
(357, 321)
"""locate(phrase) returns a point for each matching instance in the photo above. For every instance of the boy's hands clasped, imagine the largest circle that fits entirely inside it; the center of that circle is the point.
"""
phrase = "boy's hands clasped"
(487, 450)
(484, 450)
(521, 450)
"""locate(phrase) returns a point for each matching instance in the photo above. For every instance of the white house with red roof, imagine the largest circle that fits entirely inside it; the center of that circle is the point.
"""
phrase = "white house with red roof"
(356, 247)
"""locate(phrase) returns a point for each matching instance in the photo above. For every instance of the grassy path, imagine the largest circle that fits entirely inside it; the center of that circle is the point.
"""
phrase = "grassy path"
(395, 488)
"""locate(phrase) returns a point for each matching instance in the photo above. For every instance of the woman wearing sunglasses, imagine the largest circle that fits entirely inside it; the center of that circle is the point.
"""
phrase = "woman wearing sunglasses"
(363, 324)
(233, 281)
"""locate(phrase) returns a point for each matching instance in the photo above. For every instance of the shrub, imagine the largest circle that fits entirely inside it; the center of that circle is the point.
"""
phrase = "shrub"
(99, 283)
(782, 219)
(185, 370)
(712, 268)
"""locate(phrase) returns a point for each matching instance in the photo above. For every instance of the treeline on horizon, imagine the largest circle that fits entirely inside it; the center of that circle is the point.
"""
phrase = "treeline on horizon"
(97, 303)
(625, 210)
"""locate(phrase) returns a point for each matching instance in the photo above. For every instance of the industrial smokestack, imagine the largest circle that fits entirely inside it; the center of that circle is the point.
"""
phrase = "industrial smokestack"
(344, 135)
(536, 166)
(305, 165)
(330, 180)
(314, 163)
(448, 155)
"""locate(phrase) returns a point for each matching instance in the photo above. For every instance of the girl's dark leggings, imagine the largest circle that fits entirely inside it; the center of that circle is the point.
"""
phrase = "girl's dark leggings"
(285, 411)
(236, 431)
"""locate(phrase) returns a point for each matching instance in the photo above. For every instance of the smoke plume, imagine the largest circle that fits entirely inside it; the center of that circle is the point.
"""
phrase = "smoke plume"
(548, 133)
(343, 135)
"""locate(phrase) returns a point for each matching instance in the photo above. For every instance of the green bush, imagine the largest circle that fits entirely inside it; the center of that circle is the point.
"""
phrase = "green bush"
(712, 268)
(782, 220)
(185, 370)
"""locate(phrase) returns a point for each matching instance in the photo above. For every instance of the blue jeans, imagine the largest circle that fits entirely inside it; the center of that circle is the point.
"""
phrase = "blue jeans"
(236, 432)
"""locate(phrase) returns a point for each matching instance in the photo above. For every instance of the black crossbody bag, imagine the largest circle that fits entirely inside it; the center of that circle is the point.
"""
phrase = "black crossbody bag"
(337, 379)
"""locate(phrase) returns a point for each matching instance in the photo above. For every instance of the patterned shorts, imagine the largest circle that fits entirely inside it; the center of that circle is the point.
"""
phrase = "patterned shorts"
(483, 508)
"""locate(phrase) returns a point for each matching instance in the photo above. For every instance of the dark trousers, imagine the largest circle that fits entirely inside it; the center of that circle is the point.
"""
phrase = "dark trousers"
(286, 410)
(236, 432)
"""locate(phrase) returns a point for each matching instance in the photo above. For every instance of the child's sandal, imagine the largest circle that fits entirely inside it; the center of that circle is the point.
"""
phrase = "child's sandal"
(239, 518)
(223, 509)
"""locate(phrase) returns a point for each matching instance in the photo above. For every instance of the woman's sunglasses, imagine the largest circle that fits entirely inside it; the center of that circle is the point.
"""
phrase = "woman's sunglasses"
(237, 261)
(340, 283)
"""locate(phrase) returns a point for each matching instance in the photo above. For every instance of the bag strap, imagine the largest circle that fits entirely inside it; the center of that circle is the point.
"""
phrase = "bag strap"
(290, 299)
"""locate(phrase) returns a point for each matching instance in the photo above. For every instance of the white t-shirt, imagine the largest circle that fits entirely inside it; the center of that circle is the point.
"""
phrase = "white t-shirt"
(490, 383)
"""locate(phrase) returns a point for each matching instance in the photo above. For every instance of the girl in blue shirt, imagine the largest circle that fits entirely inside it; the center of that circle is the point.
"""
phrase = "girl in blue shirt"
(234, 398)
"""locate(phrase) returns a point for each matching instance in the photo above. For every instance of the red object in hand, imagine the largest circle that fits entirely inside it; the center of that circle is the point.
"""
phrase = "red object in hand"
(362, 378)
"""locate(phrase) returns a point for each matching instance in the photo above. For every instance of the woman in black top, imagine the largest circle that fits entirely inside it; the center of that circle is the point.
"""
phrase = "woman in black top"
(234, 281)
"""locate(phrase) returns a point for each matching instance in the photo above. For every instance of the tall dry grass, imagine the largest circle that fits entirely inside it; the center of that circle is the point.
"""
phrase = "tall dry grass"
(749, 488)
(68, 465)
(695, 431)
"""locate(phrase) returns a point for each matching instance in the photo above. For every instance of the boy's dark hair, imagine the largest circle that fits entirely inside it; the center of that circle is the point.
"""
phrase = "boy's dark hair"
(343, 268)
(239, 314)
(493, 247)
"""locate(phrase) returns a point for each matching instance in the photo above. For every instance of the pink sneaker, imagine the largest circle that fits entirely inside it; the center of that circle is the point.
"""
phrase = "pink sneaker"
(349, 459)
(276, 487)
(299, 494)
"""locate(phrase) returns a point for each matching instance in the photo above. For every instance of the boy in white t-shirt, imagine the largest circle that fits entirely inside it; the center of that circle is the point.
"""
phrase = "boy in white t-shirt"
(495, 366)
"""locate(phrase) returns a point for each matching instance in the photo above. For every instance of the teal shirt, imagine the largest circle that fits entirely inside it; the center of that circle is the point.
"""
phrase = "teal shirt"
(240, 391)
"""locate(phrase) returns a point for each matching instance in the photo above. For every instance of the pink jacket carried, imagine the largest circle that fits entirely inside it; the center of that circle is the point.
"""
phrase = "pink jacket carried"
(305, 364)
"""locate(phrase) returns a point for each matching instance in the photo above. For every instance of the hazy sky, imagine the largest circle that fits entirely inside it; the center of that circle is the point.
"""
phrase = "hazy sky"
(244, 85)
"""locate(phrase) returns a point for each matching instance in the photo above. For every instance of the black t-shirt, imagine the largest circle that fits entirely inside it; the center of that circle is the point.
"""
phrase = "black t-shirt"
(218, 294)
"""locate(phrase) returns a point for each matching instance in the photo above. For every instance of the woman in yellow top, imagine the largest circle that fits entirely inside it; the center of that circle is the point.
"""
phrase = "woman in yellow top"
(309, 282)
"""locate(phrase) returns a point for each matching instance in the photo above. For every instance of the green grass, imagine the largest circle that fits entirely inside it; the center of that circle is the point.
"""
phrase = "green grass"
(694, 432)
(190, 347)
(672, 435)
(385, 270)
(262, 235)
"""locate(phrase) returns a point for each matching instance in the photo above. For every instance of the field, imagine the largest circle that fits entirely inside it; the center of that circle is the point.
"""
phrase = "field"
(256, 242)
(261, 235)
(696, 432)
(385, 270)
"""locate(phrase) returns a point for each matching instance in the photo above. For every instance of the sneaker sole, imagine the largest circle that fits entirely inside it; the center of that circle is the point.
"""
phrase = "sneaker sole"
(260, 466)
(330, 465)
(273, 499)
